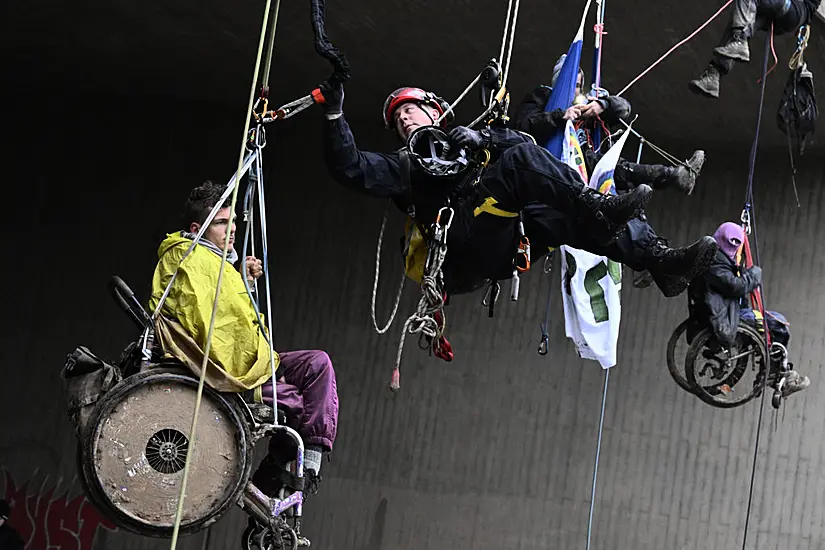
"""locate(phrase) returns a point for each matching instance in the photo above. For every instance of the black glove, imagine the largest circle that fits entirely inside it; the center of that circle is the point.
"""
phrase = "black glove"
(333, 97)
(554, 118)
(756, 273)
(466, 137)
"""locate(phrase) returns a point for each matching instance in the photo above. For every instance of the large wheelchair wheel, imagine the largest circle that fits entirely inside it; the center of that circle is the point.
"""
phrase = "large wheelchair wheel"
(723, 377)
(135, 449)
(677, 350)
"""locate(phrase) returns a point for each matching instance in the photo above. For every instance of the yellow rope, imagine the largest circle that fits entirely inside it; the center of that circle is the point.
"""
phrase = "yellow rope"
(208, 344)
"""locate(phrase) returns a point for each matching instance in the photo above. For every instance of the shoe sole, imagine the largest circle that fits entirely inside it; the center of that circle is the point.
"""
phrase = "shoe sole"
(695, 88)
(741, 59)
(678, 285)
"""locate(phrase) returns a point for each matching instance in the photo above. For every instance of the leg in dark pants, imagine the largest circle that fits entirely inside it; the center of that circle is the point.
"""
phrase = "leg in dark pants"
(629, 175)
(638, 247)
(749, 17)
(528, 174)
(308, 395)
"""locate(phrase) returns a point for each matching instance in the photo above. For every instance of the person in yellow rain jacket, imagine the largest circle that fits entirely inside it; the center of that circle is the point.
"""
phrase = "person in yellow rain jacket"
(239, 356)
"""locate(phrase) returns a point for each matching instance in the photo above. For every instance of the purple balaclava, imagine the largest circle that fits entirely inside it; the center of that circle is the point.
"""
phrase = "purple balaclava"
(729, 237)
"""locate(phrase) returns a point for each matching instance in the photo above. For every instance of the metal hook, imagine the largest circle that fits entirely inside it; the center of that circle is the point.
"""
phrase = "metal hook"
(545, 342)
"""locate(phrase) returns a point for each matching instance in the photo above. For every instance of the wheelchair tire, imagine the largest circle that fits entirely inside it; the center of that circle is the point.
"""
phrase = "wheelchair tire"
(134, 451)
(710, 394)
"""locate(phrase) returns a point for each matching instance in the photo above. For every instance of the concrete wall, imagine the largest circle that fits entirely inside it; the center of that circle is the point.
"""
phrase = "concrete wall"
(494, 450)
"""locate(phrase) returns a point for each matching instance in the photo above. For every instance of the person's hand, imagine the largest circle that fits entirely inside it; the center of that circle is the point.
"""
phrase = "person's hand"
(254, 268)
(591, 110)
(572, 113)
(466, 137)
(333, 98)
(756, 273)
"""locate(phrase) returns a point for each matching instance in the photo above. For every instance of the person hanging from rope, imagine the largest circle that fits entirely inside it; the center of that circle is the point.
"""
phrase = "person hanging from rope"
(749, 17)
(306, 384)
(718, 299)
(587, 112)
(481, 241)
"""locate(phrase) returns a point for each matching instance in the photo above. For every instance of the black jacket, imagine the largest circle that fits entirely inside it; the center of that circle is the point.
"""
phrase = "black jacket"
(715, 297)
(9, 538)
(379, 175)
(531, 117)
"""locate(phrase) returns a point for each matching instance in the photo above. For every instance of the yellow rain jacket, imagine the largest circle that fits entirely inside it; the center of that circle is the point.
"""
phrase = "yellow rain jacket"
(239, 355)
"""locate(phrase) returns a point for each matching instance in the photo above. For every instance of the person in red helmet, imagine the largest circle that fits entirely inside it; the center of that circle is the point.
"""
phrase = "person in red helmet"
(485, 230)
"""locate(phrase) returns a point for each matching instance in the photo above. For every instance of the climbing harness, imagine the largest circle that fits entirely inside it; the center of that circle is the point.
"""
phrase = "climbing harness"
(430, 149)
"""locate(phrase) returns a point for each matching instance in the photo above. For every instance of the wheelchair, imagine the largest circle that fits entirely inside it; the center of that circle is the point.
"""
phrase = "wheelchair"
(133, 422)
(721, 376)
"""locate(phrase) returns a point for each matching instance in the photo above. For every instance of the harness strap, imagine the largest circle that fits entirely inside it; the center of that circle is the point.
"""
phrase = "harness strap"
(406, 182)
(489, 207)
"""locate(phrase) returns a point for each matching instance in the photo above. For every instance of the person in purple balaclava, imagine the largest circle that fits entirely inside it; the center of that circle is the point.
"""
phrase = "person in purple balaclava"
(719, 299)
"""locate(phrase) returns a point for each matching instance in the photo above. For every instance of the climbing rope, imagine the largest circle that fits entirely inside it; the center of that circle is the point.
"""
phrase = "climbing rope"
(224, 254)
(425, 319)
(750, 225)
(599, 31)
(598, 455)
(643, 140)
(385, 328)
(507, 41)
(674, 48)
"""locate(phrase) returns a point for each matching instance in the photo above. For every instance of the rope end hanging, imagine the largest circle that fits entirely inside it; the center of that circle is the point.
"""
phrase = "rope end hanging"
(395, 381)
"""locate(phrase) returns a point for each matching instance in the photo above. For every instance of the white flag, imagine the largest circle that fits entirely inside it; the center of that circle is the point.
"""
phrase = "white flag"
(591, 285)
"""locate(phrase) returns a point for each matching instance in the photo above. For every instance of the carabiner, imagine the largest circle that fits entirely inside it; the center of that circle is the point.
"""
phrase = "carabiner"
(745, 218)
(544, 345)
(449, 221)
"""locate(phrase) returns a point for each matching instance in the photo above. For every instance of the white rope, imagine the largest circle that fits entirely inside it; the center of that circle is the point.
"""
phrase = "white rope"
(375, 282)
(458, 99)
(230, 187)
(510, 49)
(431, 302)
(506, 27)
(509, 32)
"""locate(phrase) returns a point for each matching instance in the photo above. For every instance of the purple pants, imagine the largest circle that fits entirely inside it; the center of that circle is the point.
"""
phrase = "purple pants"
(308, 395)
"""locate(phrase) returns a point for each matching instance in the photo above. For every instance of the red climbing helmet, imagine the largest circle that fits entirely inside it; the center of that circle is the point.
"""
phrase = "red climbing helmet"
(406, 95)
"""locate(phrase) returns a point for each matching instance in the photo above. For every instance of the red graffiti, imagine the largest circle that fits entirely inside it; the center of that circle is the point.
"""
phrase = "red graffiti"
(53, 523)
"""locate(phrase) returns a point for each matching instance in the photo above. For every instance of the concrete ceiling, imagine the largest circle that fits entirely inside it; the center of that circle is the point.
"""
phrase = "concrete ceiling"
(204, 50)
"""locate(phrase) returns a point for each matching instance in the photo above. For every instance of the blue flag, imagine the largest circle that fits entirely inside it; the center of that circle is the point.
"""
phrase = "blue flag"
(564, 89)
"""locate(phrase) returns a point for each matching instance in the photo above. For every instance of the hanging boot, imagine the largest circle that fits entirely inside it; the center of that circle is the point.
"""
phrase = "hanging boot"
(693, 165)
(708, 83)
(736, 49)
(612, 212)
(794, 382)
(673, 268)
(682, 177)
